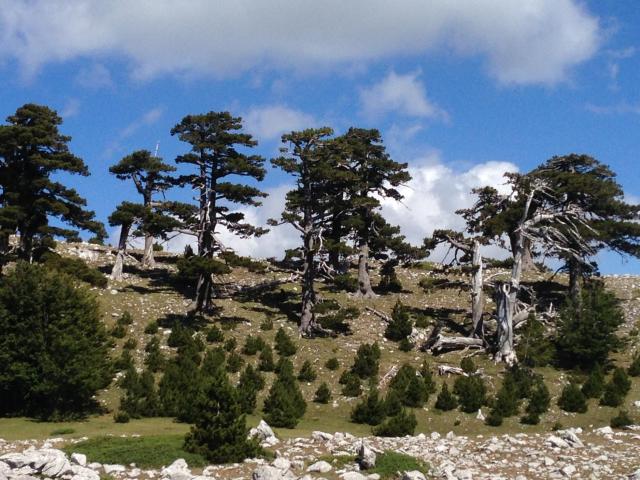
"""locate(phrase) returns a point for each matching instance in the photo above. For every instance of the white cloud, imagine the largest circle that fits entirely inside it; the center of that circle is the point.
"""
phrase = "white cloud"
(404, 94)
(95, 76)
(271, 121)
(622, 108)
(522, 42)
(71, 108)
(147, 118)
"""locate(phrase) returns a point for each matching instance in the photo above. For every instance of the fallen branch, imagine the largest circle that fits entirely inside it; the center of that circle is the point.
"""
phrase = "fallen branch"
(441, 344)
(379, 314)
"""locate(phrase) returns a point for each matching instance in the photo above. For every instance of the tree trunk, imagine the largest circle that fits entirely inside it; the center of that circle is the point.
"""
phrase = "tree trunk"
(118, 267)
(364, 280)
(308, 323)
(528, 265)
(336, 237)
(477, 295)
(575, 282)
(507, 294)
(148, 261)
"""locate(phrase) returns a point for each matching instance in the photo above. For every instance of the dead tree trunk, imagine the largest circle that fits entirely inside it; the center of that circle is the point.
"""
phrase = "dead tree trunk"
(477, 294)
(148, 260)
(575, 282)
(364, 280)
(116, 271)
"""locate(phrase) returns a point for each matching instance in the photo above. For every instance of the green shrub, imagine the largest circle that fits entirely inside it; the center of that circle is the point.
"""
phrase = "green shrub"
(130, 344)
(125, 319)
(534, 349)
(267, 324)
(215, 335)
(371, 410)
(621, 420)
(265, 361)
(494, 419)
(53, 346)
(367, 361)
(140, 397)
(507, 400)
(594, 385)
(572, 399)
(230, 344)
(389, 281)
(151, 328)
(121, 417)
(468, 366)
(621, 380)
(346, 282)
(75, 268)
(352, 387)
(471, 393)
(284, 345)
(123, 362)
(154, 359)
(427, 376)
(181, 384)
(405, 345)
(404, 423)
(586, 332)
(307, 373)
(634, 368)
(118, 331)
(423, 321)
(611, 396)
(250, 383)
(539, 401)
(332, 364)
(285, 405)
(389, 463)
(220, 431)
(400, 325)
(234, 362)
(445, 400)
(323, 394)
(253, 345)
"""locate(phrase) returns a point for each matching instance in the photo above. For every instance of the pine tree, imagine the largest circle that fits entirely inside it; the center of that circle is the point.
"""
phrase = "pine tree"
(400, 325)
(307, 373)
(467, 365)
(220, 431)
(53, 346)
(471, 392)
(323, 394)
(507, 400)
(534, 349)
(371, 410)
(539, 401)
(284, 345)
(367, 361)
(181, 384)
(586, 331)
(572, 399)
(32, 150)
(266, 363)
(214, 140)
(634, 368)
(594, 385)
(250, 383)
(352, 386)
(308, 206)
(445, 401)
(371, 175)
(150, 176)
(404, 423)
(285, 405)
(154, 360)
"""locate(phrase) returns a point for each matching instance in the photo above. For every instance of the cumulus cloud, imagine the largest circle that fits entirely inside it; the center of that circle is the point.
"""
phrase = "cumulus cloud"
(431, 199)
(404, 94)
(271, 121)
(523, 42)
(147, 118)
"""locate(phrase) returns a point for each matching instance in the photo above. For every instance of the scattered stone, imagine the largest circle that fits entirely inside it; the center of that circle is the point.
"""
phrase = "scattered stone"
(79, 459)
(320, 467)
(366, 457)
(413, 475)
(178, 470)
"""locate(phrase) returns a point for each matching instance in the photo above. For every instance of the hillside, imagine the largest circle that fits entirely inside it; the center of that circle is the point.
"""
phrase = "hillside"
(151, 296)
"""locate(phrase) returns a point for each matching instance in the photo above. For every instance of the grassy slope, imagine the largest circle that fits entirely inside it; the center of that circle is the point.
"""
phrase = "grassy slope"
(148, 297)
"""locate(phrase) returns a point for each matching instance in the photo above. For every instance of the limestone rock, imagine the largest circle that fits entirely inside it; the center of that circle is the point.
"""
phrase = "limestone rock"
(178, 470)
(413, 475)
(366, 457)
(320, 467)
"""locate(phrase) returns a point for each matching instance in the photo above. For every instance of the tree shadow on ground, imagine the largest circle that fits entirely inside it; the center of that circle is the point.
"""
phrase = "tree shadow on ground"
(285, 302)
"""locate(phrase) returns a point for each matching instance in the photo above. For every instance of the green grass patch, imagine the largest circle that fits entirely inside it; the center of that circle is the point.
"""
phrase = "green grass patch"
(389, 464)
(145, 452)
(62, 431)
(338, 461)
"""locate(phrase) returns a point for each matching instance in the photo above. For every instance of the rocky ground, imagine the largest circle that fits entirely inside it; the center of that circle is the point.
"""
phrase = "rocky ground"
(597, 454)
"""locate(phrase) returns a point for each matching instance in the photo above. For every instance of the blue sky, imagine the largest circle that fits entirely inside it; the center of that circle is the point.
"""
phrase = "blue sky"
(462, 90)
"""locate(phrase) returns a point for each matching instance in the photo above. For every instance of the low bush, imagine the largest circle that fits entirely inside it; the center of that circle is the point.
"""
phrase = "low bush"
(572, 399)
(404, 423)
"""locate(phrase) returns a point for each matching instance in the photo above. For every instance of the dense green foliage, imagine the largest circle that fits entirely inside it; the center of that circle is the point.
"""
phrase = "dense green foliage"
(53, 347)
(400, 325)
(471, 392)
(285, 405)
(572, 399)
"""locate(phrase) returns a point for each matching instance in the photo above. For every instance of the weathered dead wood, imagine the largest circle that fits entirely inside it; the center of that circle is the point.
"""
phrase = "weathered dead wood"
(379, 314)
(232, 290)
(441, 344)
